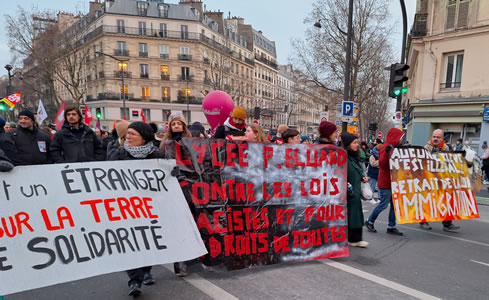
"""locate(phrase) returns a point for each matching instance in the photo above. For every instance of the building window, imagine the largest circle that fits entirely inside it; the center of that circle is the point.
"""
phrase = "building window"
(142, 9)
(147, 114)
(121, 28)
(143, 50)
(184, 32)
(185, 53)
(145, 93)
(165, 73)
(457, 13)
(185, 92)
(185, 74)
(187, 116)
(126, 115)
(163, 30)
(166, 114)
(121, 49)
(124, 92)
(163, 10)
(164, 53)
(142, 28)
(144, 71)
(454, 67)
(165, 94)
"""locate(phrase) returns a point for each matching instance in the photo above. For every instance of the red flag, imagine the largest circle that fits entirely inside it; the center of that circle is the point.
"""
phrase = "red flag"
(88, 116)
(60, 116)
(143, 116)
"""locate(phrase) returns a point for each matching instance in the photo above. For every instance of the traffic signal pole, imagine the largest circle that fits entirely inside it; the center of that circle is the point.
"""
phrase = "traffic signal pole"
(346, 90)
(403, 52)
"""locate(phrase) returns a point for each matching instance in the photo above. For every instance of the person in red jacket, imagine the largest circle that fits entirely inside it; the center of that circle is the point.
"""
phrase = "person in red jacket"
(394, 137)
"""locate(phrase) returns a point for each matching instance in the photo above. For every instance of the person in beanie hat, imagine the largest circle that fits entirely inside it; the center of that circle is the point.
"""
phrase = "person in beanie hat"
(138, 145)
(355, 178)
(393, 138)
(32, 145)
(177, 129)
(76, 142)
(327, 133)
(234, 126)
(197, 130)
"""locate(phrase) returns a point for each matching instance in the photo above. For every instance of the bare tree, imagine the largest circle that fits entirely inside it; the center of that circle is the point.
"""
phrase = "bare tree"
(321, 55)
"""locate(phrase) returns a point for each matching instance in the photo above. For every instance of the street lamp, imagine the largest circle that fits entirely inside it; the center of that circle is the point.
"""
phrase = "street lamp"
(9, 86)
(186, 98)
(122, 68)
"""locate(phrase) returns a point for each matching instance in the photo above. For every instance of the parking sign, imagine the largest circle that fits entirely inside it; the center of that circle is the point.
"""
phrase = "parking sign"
(347, 108)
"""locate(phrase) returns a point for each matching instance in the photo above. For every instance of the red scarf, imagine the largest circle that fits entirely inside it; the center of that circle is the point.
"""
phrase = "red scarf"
(440, 145)
(243, 126)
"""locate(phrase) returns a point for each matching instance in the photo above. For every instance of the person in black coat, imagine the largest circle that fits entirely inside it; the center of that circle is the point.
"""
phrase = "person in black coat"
(31, 143)
(234, 126)
(327, 133)
(137, 145)
(6, 144)
(75, 142)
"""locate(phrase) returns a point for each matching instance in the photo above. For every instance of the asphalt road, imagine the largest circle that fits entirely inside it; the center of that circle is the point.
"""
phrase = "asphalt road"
(421, 264)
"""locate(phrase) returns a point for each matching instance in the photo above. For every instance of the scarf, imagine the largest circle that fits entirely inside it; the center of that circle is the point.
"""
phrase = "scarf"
(440, 145)
(177, 136)
(233, 125)
(140, 151)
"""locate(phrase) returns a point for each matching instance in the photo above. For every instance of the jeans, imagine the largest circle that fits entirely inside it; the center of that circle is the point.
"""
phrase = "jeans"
(385, 196)
(373, 184)
(137, 275)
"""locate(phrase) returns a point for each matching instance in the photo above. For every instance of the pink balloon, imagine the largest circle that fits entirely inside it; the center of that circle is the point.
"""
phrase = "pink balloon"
(217, 106)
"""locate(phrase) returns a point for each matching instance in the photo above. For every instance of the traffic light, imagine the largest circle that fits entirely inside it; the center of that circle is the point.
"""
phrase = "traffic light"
(98, 113)
(257, 112)
(372, 126)
(3, 106)
(397, 79)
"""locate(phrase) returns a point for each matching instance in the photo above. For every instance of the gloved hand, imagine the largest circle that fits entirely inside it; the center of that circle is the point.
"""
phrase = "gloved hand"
(389, 148)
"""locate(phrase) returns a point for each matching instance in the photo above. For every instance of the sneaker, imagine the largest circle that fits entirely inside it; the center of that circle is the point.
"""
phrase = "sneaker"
(372, 201)
(180, 269)
(485, 182)
(370, 226)
(425, 226)
(148, 279)
(451, 228)
(394, 231)
(135, 290)
(361, 244)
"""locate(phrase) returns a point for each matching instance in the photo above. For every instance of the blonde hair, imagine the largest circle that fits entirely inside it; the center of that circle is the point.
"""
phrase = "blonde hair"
(260, 135)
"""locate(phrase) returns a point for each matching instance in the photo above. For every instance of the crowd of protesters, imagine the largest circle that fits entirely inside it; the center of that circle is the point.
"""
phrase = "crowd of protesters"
(26, 143)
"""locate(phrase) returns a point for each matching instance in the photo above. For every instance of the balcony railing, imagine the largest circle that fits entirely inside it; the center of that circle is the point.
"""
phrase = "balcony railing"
(165, 99)
(190, 99)
(206, 61)
(121, 52)
(145, 98)
(143, 54)
(165, 77)
(266, 61)
(184, 57)
(450, 85)
(249, 61)
(118, 74)
(164, 56)
(113, 96)
(144, 75)
(186, 78)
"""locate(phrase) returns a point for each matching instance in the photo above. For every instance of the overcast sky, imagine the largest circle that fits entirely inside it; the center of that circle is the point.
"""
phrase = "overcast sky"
(280, 20)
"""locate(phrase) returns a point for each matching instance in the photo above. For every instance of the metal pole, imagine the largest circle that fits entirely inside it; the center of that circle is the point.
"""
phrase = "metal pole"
(346, 90)
(123, 92)
(186, 97)
(403, 52)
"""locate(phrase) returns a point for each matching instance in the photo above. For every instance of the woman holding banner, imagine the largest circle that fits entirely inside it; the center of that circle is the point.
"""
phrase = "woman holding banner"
(138, 145)
(354, 195)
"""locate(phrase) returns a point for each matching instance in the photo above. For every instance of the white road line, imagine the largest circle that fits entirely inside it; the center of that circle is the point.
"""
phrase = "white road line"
(205, 286)
(379, 280)
(443, 235)
(485, 264)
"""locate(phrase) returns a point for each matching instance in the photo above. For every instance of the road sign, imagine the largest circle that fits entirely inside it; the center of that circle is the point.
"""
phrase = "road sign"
(347, 119)
(347, 108)
(338, 107)
(323, 116)
(485, 116)
(398, 116)
(379, 135)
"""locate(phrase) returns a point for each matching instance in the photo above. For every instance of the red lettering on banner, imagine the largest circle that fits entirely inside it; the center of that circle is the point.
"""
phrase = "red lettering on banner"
(281, 243)
(267, 154)
(243, 155)
(229, 245)
(280, 213)
(217, 222)
(288, 189)
(277, 190)
(289, 158)
(125, 206)
(178, 156)
(16, 223)
(230, 183)
(323, 157)
(341, 158)
(109, 209)
(230, 154)
(250, 192)
(214, 247)
(266, 196)
(308, 213)
(215, 161)
(298, 163)
(201, 151)
(137, 205)
(237, 220)
(263, 239)
(203, 222)
(333, 158)
(93, 206)
(148, 208)
(195, 193)
(217, 189)
(338, 234)
(134, 208)
(335, 190)
(63, 214)
(240, 192)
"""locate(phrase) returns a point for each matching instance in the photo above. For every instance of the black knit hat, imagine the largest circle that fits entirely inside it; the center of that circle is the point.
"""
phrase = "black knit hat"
(347, 138)
(145, 130)
(28, 114)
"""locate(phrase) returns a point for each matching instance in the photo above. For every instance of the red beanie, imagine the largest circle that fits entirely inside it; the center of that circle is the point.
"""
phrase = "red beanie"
(326, 129)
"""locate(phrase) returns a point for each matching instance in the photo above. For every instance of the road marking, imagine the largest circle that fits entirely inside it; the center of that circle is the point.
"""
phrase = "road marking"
(443, 235)
(485, 264)
(205, 286)
(379, 280)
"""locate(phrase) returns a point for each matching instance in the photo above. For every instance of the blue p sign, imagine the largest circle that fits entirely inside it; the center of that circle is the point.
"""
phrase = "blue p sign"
(347, 108)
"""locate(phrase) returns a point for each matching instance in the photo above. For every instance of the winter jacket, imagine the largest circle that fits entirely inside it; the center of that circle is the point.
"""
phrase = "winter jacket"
(121, 154)
(373, 167)
(228, 129)
(5, 163)
(32, 146)
(434, 149)
(76, 145)
(354, 199)
(7, 146)
(393, 139)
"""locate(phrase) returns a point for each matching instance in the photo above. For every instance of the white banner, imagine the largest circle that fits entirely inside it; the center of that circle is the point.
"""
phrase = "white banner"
(66, 222)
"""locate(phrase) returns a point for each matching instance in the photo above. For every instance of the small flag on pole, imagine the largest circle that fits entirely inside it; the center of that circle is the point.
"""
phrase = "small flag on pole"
(60, 116)
(41, 113)
(12, 100)
(143, 116)
(88, 116)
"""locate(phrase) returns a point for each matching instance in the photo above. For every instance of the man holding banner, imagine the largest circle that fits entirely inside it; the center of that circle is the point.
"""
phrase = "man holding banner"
(437, 145)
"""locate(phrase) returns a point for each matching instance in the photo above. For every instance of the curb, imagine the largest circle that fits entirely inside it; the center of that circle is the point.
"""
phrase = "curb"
(482, 201)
